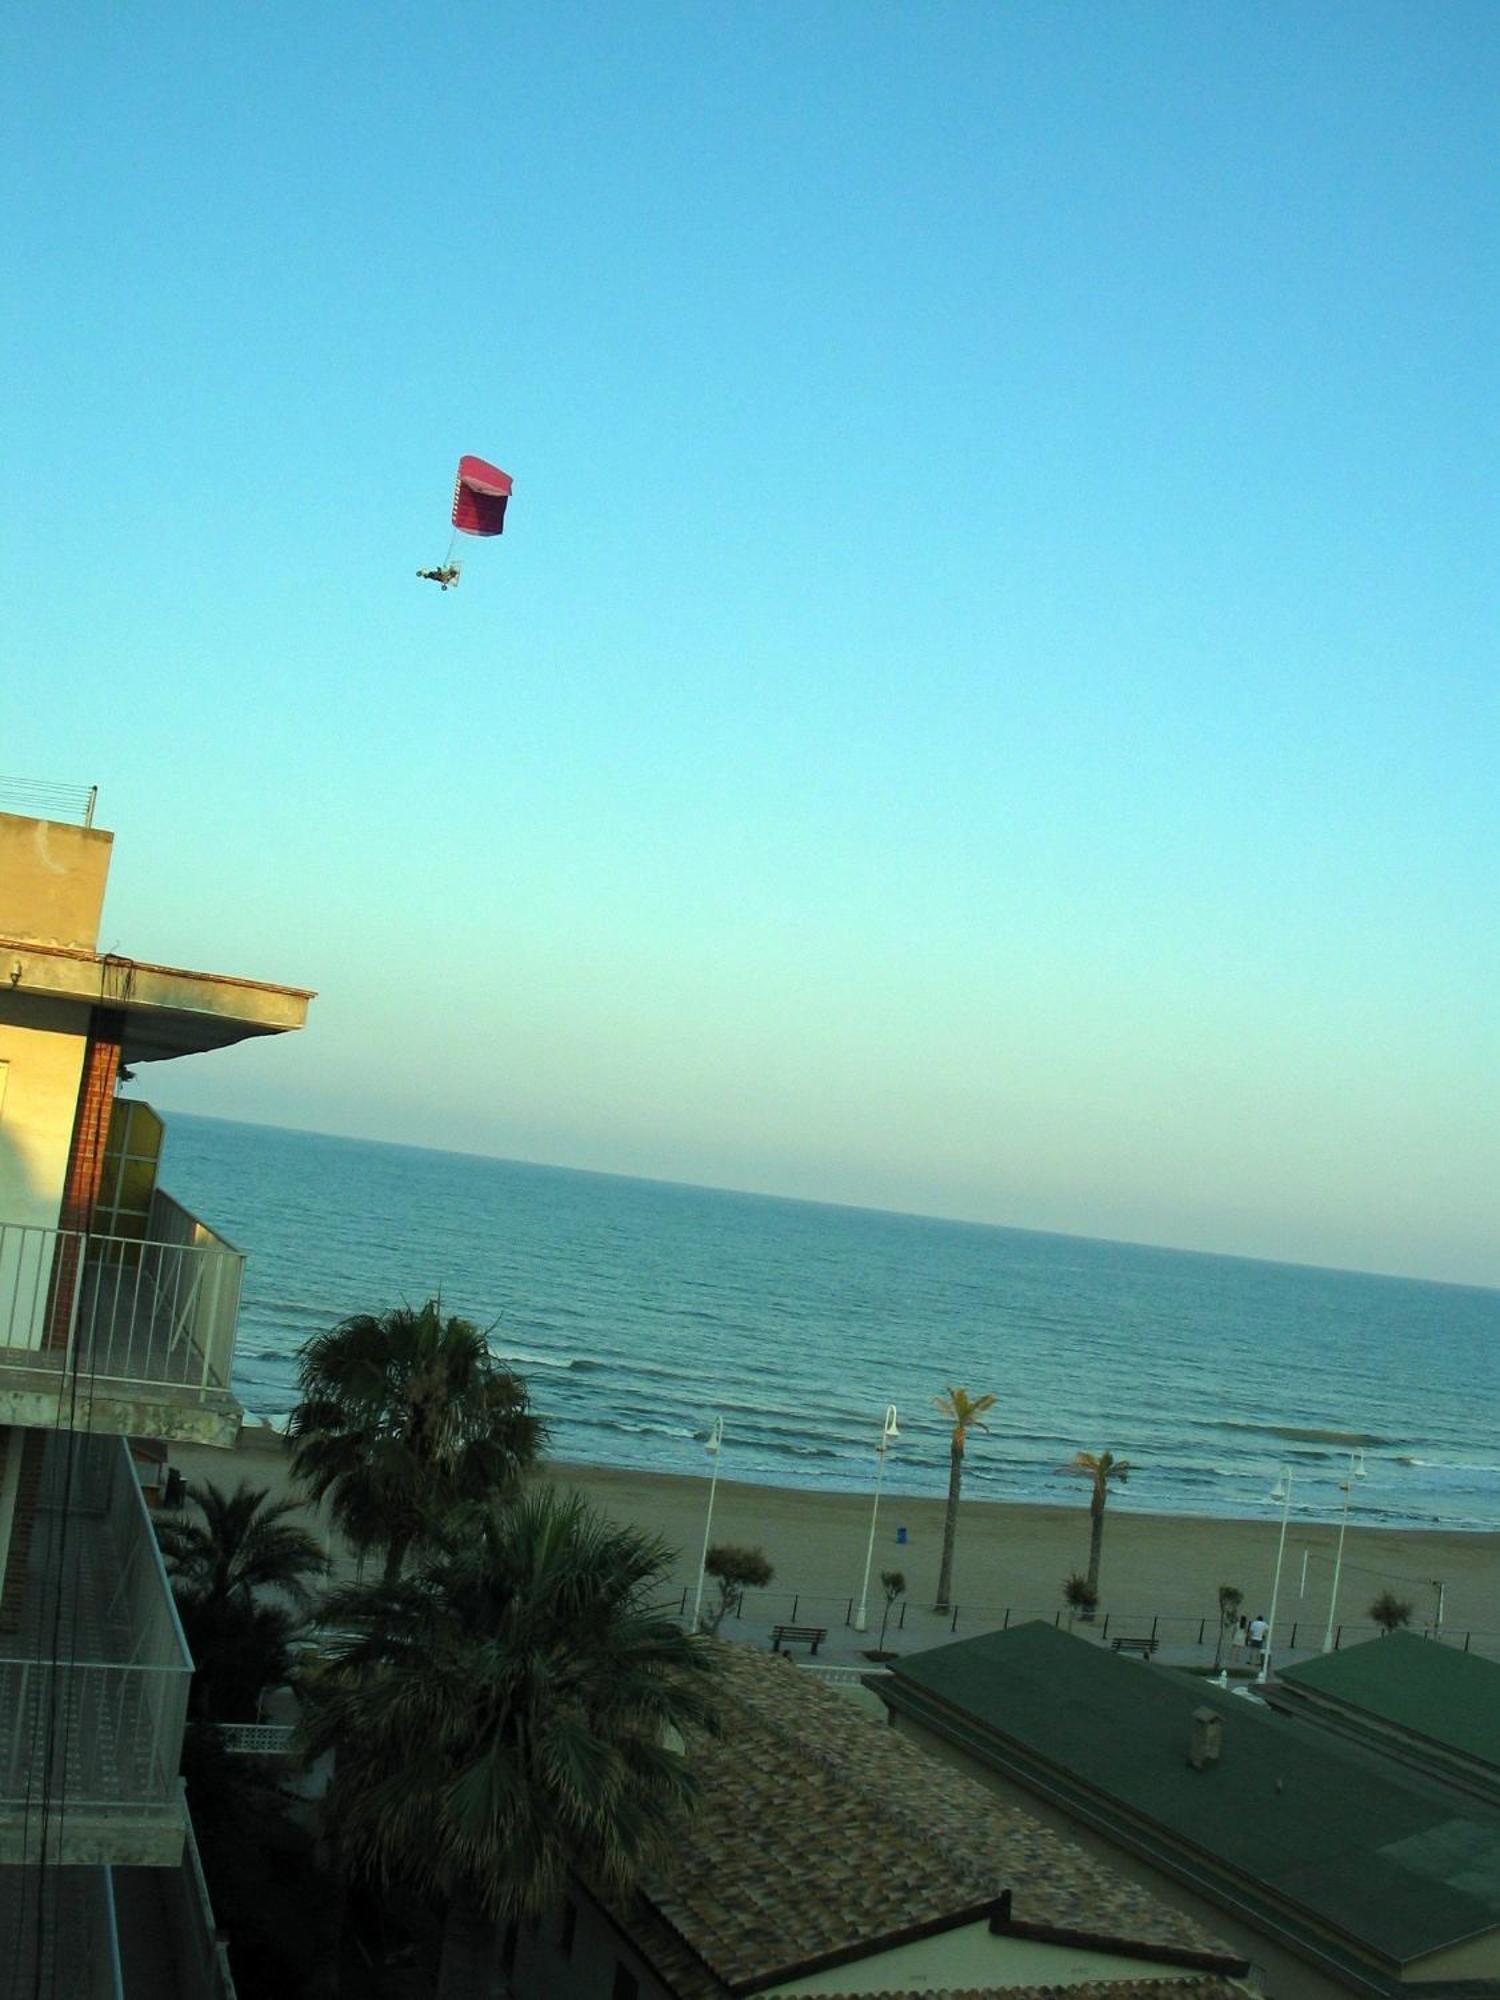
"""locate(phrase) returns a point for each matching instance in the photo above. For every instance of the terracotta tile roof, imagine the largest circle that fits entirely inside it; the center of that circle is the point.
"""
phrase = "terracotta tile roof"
(820, 1832)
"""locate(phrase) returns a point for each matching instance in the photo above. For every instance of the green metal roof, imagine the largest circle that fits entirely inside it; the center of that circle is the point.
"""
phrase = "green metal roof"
(1432, 1691)
(1316, 1824)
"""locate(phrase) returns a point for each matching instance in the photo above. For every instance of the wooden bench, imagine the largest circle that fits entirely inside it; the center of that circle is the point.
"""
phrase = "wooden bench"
(807, 1635)
(1145, 1647)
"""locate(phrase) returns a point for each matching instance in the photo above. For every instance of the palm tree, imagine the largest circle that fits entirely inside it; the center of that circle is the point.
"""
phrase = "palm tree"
(403, 1417)
(220, 1568)
(965, 1413)
(1101, 1467)
(505, 1712)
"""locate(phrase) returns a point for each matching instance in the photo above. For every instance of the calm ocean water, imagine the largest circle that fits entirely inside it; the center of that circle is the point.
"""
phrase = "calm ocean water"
(637, 1309)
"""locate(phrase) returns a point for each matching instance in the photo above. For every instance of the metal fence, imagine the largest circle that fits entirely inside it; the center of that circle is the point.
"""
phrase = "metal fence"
(1188, 1639)
(162, 1311)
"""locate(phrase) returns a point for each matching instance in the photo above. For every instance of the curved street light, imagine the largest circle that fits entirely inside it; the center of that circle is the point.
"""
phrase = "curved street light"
(888, 1436)
(1346, 1487)
(1281, 1491)
(713, 1444)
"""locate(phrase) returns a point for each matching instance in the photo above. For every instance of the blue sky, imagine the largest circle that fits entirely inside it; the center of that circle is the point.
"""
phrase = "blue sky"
(986, 702)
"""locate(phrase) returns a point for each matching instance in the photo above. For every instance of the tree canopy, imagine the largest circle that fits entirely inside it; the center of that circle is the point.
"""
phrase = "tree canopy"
(403, 1417)
(507, 1710)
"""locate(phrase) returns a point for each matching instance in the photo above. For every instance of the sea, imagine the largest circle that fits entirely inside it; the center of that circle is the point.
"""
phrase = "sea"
(639, 1310)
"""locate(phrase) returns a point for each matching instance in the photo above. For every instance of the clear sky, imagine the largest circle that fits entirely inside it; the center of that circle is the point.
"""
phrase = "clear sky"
(986, 703)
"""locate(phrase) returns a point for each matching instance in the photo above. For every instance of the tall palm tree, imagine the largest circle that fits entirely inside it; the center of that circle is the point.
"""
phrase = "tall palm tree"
(505, 1711)
(1101, 1467)
(403, 1417)
(965, 1412)
(221, 1569)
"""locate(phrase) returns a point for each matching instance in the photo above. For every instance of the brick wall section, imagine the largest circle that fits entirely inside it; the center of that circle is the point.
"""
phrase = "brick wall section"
(32, 1446)
(96, 1096)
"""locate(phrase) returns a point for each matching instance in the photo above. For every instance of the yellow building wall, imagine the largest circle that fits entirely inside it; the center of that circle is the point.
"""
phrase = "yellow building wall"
(52, 881)
(42, 1046)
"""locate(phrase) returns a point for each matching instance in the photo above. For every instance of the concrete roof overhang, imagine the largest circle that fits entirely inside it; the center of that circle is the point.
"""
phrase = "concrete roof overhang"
(168, 1011)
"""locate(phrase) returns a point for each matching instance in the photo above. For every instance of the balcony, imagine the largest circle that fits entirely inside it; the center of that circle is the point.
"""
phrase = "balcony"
(94, 1683)
(134, 1336)
(113, 1933)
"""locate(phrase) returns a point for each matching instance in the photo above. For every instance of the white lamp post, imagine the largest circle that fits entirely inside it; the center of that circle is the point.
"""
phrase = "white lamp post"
(1281, 1491)
(714, 1445)
(1356, 1471)
(888, 1435)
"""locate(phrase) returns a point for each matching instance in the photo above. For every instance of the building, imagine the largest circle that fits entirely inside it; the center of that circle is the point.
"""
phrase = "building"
(118, 1315)
(828, 1857)
(1333, 1866)
(1425, 1704)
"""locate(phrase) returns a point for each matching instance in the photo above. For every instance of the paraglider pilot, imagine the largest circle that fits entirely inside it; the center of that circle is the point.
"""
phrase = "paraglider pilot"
(446, 575)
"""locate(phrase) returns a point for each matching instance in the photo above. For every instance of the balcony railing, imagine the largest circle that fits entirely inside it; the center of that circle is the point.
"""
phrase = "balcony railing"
(160, 1312)
(94, 1684)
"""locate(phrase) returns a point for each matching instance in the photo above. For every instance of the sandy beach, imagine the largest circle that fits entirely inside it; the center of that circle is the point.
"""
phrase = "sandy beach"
(1011, 1559)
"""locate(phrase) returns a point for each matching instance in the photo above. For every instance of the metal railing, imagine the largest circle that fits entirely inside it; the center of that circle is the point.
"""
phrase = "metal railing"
(1178, 1636)
(94, 1688)
(158, 1312)
(836, 1676)
(44, 798)
(257, 1739)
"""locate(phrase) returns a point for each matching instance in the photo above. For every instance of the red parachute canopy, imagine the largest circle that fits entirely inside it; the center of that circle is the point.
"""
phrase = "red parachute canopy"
(479, 496)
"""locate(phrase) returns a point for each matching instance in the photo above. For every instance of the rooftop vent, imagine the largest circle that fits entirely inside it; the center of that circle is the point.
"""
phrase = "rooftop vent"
(1207, 1733)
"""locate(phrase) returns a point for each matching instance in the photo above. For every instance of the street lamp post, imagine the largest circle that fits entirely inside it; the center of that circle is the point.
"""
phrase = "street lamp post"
(1281, 1491)
(714, 1444)
(1356, 1471)
(888, 1436)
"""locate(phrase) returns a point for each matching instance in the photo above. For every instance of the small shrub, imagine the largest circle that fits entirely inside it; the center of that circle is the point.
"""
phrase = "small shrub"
(892, 1586)
(735, 1570)
(1231, 1597)
(1390, 1612)
(1080, 1597)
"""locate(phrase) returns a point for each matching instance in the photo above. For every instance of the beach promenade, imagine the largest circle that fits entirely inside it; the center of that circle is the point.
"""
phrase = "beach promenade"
(1160, 1572)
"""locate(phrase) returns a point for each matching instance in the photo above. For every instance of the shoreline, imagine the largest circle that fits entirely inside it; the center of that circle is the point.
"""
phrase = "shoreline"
(1012, 1556)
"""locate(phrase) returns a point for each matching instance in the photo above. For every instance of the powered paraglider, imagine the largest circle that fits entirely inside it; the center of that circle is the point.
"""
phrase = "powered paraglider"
(480, 494)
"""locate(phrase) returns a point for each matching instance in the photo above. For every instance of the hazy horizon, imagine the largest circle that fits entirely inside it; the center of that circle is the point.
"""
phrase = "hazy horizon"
(169, 1112)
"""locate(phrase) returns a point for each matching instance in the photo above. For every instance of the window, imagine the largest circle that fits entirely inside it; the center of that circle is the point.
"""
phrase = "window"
(567, 1927)
(626, 1985)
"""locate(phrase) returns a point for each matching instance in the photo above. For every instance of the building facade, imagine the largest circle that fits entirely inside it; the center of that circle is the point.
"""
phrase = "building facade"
(118, 1317)
(1334, 1866)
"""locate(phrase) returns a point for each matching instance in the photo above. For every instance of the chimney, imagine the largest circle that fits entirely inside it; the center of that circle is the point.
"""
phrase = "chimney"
(1203, 1745)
